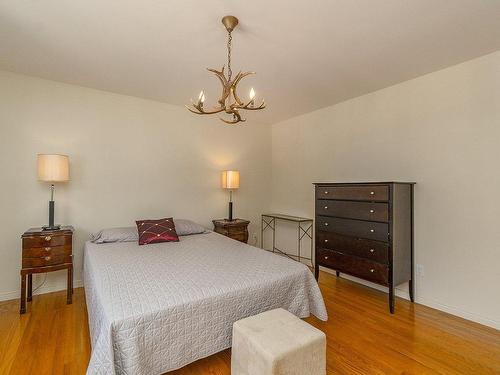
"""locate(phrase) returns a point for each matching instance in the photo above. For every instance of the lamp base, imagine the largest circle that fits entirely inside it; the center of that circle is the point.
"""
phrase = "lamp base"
(230, 218)
(51, 227)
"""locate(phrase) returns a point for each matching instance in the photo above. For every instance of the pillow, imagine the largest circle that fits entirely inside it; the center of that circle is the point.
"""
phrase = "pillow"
(124, 234)
(187, 227)
(155, 231)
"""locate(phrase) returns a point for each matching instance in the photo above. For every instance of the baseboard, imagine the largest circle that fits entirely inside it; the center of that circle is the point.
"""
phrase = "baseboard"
(48, 288)
(459, 312)
(403, 293)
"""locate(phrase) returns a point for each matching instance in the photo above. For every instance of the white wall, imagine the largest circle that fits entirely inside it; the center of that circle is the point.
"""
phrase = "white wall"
(441, 130)
(130, 159)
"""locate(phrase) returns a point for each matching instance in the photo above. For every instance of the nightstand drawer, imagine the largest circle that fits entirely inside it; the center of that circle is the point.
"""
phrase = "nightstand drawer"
(236, 229)
(50, 240)
(47, 260)
(41, 252)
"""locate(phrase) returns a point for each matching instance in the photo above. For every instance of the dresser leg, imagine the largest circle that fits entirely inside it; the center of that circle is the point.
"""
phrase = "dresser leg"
(30, 287)
(22, 310)
(316, 272)
(391, 299)
(69, 288)
(411, 288)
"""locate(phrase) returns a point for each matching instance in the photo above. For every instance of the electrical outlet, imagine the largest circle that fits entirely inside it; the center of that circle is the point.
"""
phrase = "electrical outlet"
(254, 239)
(420, 270)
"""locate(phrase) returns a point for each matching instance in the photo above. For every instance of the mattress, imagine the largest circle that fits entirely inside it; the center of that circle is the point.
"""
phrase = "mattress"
(159, 307)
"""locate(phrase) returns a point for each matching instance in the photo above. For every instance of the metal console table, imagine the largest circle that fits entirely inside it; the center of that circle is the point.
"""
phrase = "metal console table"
(304, 229)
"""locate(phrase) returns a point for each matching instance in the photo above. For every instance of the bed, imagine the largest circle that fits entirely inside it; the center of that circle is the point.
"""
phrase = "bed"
(159, 307)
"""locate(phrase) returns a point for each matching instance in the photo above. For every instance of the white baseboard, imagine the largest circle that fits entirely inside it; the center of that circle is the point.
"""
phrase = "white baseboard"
(403, 293)
(47, 288)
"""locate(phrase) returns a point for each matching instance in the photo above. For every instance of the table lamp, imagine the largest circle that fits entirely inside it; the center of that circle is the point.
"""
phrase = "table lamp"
(231, 181)
(52, 168)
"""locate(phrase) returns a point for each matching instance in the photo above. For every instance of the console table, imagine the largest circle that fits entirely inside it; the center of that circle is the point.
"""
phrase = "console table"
(304, 229)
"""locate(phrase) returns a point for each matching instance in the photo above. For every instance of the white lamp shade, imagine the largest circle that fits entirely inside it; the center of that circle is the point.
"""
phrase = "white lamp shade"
(53, 168)
(230, 179)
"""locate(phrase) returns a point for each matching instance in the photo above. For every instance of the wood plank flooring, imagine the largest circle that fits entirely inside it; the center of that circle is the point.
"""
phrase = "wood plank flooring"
(362, 337)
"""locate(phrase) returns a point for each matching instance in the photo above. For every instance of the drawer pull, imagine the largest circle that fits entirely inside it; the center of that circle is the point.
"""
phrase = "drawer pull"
(48, 238)
(326, 224)
(326, 191)
(372, 270)
(372, 211)
(326, 207)
(326, 258)
(326, 241)
(372, 193)
(47, 258)
(372, 251)
(48, 248)
(372, 230)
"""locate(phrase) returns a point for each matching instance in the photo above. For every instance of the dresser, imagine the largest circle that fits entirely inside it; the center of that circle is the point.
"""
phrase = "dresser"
(236, 229)
(45, 251)
(366, 230)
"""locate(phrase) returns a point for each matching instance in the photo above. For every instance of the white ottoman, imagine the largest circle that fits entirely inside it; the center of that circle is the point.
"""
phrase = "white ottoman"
(276, 342)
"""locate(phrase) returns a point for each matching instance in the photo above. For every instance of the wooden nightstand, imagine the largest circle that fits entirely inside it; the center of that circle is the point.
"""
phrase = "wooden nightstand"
(236, 229)
(46, 251)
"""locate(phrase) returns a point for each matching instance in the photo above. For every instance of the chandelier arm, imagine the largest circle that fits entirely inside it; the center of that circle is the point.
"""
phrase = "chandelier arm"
(248, 106)
(200, 111)
(220, 75)
(237, 80)
(235, 120)
(261, 106)
(225, 85)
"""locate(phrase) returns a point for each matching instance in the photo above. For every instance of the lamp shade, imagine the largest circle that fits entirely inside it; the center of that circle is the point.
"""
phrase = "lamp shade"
(230, 179)
(53, 168)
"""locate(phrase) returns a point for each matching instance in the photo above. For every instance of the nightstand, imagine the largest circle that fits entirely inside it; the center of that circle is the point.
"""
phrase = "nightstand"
(46, 251)
(236, 229)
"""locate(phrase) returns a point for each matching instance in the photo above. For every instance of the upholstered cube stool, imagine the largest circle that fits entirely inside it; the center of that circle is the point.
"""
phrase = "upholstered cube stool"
(276, 342)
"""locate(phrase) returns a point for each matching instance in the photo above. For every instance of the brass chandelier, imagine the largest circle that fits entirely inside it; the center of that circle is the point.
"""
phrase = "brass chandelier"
(229, 102)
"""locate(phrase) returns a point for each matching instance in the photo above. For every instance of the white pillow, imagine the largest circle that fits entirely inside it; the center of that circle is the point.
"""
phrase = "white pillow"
(186, 227)
(123, 234)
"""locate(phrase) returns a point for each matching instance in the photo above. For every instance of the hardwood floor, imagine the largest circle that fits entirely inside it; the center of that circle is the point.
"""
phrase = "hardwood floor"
(363, 338)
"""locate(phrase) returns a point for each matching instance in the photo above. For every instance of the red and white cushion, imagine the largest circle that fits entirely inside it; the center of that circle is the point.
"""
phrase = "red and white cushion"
(154, 231)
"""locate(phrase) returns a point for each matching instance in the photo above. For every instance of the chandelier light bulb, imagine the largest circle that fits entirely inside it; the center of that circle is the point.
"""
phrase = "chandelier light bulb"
(201, 98)
(252, 94)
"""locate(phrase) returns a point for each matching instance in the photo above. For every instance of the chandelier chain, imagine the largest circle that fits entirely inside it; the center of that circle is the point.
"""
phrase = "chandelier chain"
(229, 40)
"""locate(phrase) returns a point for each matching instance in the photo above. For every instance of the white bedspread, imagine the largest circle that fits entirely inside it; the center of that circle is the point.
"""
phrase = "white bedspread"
(156, 308)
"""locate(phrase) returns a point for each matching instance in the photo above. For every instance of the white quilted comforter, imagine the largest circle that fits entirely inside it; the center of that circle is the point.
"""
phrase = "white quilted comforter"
(156, 308)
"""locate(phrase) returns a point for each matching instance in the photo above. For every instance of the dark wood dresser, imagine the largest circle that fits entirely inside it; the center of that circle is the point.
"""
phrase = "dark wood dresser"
(366, 230)
(46, 251)
(236, 229)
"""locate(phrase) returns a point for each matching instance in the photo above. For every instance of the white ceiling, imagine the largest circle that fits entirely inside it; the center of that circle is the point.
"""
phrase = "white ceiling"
(307, 54)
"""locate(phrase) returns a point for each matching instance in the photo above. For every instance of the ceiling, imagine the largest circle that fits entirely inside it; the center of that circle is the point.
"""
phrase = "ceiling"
(307, 54)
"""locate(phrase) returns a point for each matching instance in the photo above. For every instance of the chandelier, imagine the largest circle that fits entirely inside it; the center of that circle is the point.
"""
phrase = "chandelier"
(229, 102)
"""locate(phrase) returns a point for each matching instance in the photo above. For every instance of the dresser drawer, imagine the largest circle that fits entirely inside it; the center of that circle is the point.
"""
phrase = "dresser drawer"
(46, 241)
(47, 260)
(372, 250)
(39, 252)
(353, 210)
(357, 228)
(352, 265)
(356, 193)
